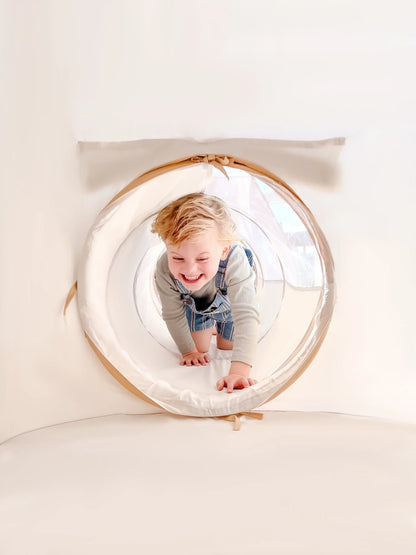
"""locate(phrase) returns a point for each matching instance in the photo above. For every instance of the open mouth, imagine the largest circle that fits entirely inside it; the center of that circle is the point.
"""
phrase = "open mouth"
(191, 279)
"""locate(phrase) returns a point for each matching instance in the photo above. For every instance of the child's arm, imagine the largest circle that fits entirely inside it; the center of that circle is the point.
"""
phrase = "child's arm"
(173, 313)
(241, 289)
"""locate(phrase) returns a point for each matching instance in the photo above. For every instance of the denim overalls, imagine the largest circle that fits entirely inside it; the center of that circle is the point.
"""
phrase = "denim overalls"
(219, 311)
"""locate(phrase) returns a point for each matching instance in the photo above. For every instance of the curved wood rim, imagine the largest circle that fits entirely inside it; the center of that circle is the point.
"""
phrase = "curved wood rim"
(220, 161)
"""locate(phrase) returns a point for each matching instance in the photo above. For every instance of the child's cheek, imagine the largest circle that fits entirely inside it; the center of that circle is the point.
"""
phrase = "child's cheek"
(211, 270)
(173, 268)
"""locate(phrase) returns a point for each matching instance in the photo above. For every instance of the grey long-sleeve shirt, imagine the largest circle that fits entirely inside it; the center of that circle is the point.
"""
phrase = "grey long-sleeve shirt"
(240, 279)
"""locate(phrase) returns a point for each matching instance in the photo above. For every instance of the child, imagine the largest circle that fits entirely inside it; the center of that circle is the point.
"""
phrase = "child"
(204, 280)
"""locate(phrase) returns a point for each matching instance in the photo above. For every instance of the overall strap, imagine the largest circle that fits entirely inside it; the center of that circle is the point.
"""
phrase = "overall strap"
(181, 288)
(250, 257)
(220, 277)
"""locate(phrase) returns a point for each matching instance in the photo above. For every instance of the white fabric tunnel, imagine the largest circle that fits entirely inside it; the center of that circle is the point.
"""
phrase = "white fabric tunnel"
(120, 309)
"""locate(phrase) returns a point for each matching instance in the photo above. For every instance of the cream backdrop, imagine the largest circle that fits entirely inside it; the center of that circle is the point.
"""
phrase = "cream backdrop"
(116, 71)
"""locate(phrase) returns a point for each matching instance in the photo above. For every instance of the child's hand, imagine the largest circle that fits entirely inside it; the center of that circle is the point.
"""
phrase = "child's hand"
(234, 381)
(194, 358)
(238, 378)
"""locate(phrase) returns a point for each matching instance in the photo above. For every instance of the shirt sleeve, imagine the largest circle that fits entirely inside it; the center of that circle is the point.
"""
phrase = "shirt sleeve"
(173, 309)
(240, 280)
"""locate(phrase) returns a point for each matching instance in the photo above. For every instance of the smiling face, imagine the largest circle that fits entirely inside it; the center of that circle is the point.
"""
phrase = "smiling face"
(195, 262)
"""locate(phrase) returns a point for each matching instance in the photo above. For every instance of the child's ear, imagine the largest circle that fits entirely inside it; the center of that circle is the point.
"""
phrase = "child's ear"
(225, 252)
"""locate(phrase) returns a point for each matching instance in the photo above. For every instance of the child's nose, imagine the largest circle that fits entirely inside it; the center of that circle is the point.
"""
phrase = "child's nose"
(191, 267)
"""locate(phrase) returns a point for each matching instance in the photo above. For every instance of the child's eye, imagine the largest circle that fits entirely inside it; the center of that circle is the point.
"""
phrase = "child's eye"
(202, 259)
(177, 259)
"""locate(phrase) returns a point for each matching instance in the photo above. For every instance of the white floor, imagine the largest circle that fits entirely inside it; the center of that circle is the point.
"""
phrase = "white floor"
(294, 483)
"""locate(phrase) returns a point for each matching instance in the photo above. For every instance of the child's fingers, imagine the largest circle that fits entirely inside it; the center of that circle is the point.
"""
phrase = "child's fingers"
(193, 362)
(185, 362)
(198, 361)
(241, 383)
(231, 384)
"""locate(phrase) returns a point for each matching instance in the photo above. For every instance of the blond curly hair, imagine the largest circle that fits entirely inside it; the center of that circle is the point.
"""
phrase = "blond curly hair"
(190, 215)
